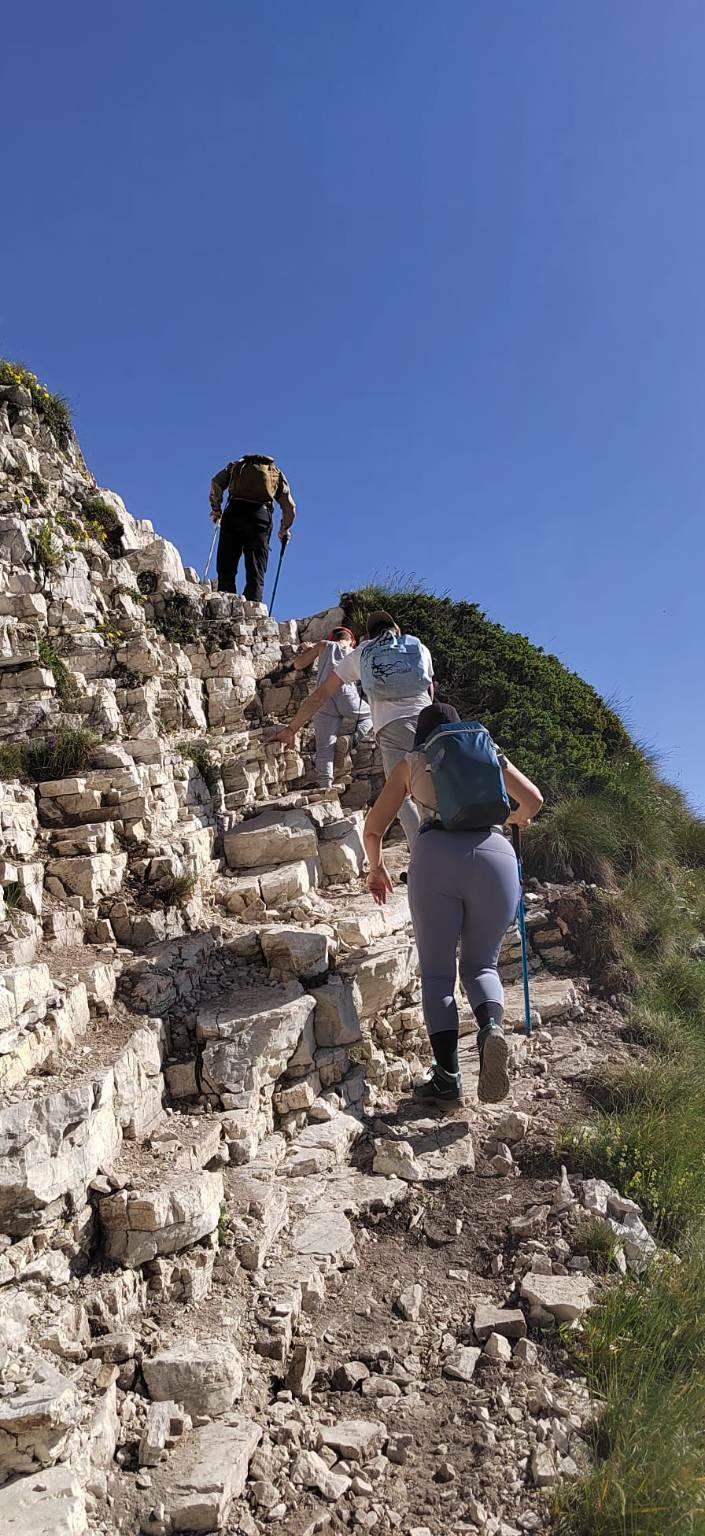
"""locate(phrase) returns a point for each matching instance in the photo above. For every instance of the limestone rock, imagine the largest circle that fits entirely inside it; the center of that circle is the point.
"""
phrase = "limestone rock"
(139, 1225)
(408, 1304)
(513, 1126)
(459, 1364)
(353, 1439)
(311, 1470)
(49, 1503)
(209, 1471)
(302, 1370)
(509, 1322)
(36, 1419)
(395, 1159)
(336, 1020)
(498, 1348)
(206, 1377)
(381, 974)
(565, 1296)
(165, 1423)
(300, 952)
(274, 837)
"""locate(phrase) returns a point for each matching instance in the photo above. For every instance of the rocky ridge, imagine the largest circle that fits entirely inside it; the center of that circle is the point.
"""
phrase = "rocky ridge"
(243, 1283)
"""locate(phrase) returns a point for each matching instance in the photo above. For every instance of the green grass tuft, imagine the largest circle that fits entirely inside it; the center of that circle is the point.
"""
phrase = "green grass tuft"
(69, 751)
(63, 677)
(47, 554)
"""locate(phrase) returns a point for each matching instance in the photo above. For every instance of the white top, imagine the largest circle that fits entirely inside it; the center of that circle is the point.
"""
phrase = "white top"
(385, 710)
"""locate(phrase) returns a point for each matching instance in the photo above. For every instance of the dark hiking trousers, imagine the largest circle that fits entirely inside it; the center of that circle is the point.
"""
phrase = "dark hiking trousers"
(245, 529)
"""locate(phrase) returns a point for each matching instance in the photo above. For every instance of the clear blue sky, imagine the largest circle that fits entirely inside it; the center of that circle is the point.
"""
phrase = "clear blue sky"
(444, 262)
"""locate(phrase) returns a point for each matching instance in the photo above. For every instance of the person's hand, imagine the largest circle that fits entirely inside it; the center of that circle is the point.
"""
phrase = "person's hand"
(518, 819)
(215, 515)
(284, 536)
(282, 733)
(379, 884)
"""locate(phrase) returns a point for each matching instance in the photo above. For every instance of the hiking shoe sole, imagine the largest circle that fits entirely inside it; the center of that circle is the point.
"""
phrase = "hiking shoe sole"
(493, 1084)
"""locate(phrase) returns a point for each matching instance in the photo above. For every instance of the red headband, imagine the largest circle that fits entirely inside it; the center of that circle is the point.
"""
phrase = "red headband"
(341, 628)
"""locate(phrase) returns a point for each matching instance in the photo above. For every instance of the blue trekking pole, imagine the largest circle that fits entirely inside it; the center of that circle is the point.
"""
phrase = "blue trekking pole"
(521, 920)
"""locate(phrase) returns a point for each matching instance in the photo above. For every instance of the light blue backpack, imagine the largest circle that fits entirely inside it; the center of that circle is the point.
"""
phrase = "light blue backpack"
(467, 777)
(394, 667)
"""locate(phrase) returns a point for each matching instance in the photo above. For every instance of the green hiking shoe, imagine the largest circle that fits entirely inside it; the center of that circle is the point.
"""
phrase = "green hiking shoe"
(444, 1088)
(493, 1083)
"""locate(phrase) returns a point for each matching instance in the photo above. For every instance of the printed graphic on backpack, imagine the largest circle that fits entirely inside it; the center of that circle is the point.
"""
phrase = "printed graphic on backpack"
(394, 667)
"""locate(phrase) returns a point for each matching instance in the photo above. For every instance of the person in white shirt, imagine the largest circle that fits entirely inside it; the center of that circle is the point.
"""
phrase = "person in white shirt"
(393, 719)
(347, 713)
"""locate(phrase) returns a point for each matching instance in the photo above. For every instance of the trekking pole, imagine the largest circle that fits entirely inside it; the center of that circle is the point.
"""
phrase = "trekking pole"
(521, 920)
(276, 579)
(210, 553)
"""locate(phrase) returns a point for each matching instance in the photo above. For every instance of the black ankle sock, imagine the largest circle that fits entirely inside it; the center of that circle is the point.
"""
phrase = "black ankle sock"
(445, 1049)
(489, 1013)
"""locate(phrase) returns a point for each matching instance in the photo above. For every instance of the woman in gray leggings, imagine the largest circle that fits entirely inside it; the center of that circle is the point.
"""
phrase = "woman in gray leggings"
(463, 889)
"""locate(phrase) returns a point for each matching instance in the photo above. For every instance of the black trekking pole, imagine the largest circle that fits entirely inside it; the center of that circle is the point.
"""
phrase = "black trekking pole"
(284, 543)
(521, 920)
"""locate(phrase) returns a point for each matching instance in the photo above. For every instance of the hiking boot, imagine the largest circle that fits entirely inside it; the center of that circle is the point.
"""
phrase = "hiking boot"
(404, 877)
(444, 1088)
(493, 1084)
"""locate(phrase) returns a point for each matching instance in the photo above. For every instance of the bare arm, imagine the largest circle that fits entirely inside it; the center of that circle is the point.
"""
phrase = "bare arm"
(380, 818)
(307, 710)
(308, 655)
(529, 798)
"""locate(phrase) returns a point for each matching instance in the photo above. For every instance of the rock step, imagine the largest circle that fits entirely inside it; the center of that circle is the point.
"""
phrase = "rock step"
(53, 1144)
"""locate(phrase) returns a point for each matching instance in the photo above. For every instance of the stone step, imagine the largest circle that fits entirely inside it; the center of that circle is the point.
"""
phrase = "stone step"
(379, 973)
(53, 1144)
(53, 1022)
(246, 1045)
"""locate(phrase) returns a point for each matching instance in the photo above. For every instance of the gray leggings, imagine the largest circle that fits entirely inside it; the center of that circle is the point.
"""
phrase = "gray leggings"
(463, 886)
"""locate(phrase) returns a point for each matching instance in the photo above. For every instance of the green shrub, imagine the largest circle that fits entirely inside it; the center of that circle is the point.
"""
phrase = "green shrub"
(209, 767)
(52, 409)
(63, 677)
(180, 619)
(47, 554)
(102, 523)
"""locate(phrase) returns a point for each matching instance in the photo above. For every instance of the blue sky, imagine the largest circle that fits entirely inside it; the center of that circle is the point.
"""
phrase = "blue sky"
(444, 262)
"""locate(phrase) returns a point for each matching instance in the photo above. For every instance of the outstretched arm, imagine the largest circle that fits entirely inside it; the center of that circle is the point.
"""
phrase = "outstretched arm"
(308, 655)
(529, 798)
(307, 710)
(379, 820)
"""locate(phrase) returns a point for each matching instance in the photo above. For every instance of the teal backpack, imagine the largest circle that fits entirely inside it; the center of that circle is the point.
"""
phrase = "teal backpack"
(467, 776)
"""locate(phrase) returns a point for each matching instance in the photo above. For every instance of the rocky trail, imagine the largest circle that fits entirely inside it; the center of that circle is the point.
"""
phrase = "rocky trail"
(244, 1284)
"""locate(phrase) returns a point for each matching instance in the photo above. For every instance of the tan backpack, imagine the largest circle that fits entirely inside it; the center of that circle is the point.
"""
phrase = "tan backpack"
(254, 478)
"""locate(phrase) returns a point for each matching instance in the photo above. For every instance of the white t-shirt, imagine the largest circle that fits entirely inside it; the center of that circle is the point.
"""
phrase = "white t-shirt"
(385, 710)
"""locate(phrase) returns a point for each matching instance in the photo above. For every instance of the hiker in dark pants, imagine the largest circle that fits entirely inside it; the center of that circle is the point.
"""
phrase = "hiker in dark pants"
(463, 890)
(253, 483)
